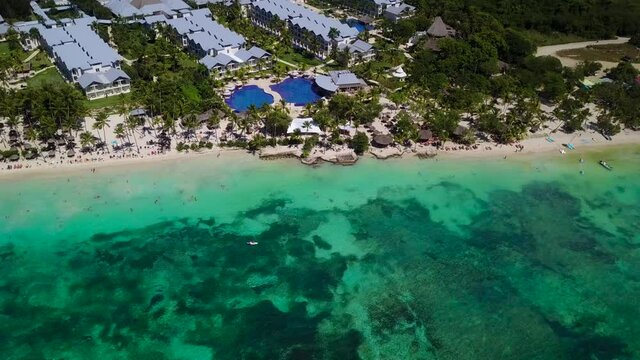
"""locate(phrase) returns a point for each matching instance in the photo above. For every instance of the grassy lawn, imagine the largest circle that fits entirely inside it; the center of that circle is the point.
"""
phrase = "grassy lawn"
(299, 58)
(4, 48)
(108, 102)
(49, 76)
(611, 53)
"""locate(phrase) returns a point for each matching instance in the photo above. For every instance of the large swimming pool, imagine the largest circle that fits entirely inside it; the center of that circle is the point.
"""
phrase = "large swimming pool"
(243, 98)
(298, 91)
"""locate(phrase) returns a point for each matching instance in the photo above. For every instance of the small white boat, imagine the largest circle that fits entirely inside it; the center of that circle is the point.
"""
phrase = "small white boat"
(252, 243)
(605, 165)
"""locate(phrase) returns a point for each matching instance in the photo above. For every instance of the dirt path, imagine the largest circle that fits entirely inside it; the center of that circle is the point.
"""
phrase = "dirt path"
(553, 50)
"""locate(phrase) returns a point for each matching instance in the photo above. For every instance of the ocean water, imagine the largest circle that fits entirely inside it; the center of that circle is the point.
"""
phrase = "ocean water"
(411, 259)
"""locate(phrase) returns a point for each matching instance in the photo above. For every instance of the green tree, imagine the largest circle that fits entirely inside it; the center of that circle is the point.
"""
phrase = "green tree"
(360, 143)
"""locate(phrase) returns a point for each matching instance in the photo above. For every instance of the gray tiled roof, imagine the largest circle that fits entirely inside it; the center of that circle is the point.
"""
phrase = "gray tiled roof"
(205, 32)
(104, 78)
(400, 9)
(358, 46)
(129, 8)
(345, 78)
(239, 57)
(79, 47)
(306, 18)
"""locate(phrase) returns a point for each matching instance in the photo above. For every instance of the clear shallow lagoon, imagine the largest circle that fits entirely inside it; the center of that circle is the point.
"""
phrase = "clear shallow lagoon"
(519, 259)
(298, 91)
(241, 99)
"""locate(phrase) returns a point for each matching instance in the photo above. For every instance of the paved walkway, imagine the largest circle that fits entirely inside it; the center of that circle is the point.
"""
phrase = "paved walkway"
(33, 54)
(286, 63)
(553, 50)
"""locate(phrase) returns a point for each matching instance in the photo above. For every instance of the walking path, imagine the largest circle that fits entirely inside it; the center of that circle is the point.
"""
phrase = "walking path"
(31, 56)
(553, 50)
(286, 63)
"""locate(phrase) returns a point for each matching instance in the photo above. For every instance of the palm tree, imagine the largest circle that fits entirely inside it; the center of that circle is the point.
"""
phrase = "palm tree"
(101, 122)
(119, 131)
(191, 123)
(306, 125)
(131, 125)
(86, 139)
(283, 103)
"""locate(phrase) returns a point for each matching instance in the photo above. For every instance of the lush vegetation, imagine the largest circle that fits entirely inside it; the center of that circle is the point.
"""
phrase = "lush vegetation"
(93, 8)
(589, 19)
(15, 9)
(43, 110)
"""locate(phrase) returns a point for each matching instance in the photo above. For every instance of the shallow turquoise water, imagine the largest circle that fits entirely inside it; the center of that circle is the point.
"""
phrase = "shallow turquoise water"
(412, 259)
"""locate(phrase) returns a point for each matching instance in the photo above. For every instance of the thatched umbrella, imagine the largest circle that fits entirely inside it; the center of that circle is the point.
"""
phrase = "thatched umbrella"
(61, 142)
(382, 140)
(70, 138)
(52, 153)
(1, 157)
(71, 153)
(30, 155)
(14, 157)
(27, 146)
(425, 135)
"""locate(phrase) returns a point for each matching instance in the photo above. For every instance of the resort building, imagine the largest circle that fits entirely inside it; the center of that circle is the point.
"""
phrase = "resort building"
(141, 8)
(309, 30)
(359, 51)
(219, 49)
(303, 126)
(84, 58)
(341, 80)
(399, 11)
(378, 8)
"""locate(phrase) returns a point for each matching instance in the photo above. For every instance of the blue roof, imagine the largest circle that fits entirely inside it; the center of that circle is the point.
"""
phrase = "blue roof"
(306, 19)
(105, 78)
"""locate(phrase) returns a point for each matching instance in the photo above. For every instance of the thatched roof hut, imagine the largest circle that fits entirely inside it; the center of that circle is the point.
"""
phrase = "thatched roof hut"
(382, 140)
(440, 29)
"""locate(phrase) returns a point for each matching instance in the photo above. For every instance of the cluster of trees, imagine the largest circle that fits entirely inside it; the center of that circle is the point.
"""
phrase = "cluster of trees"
(344, 109)
(586, 18)
(43, 110)
(93, 8)
(165, 80)
(15, 9)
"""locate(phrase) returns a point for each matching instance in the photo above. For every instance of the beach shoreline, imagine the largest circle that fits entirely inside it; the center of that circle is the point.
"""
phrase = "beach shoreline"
(584, 141)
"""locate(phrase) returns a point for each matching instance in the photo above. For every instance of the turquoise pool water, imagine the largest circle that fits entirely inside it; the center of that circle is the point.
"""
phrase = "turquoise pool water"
(241, 99)
(298, 91)
(414, 259)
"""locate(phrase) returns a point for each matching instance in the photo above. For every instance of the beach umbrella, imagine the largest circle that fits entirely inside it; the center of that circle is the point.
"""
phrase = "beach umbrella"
(382, 140)
(27, 146)
(71, 153)
(61, 142)
(30, 155)
(52, 153)
(70, 138)
(14, 157)
(1, 157)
